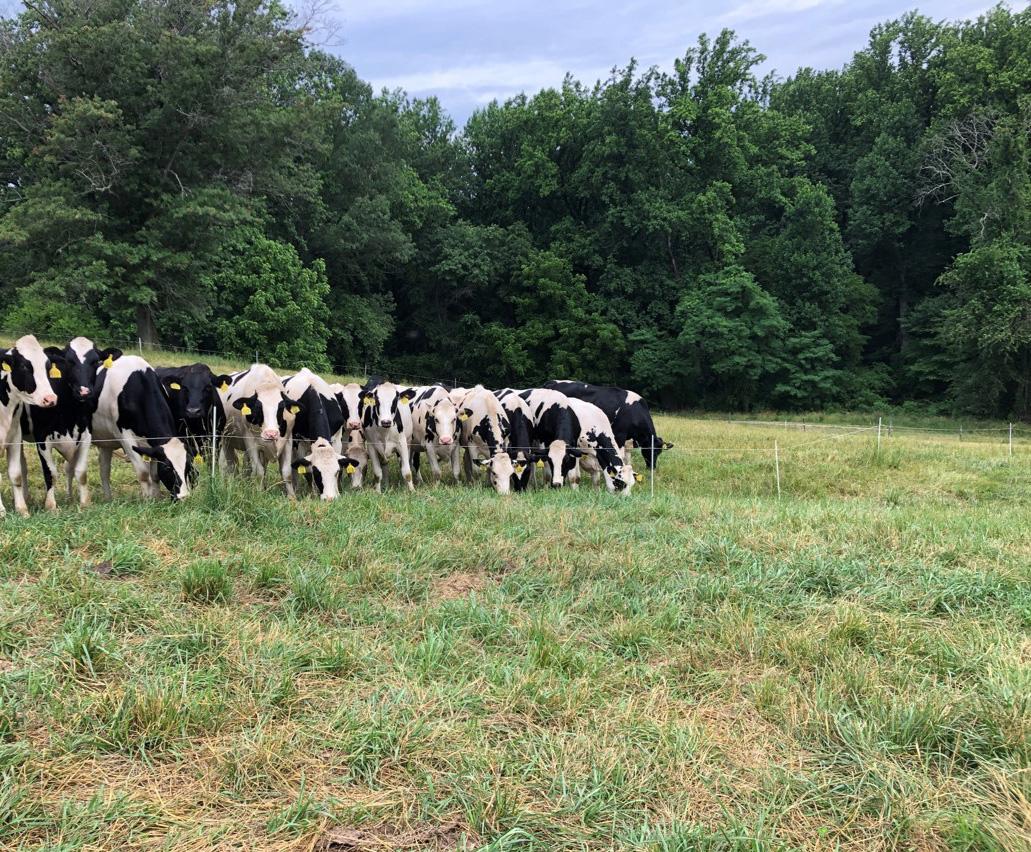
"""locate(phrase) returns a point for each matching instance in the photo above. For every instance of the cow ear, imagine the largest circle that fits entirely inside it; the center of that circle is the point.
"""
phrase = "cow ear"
(575, 452)
(484, 462)
(149, 452)
(239, 404)
(292, 405)
(407, 395)
(348, 465)
(172, 382)
(109, 356)
(301, 465)
(53, 353)
(666, 445)
(221, 382)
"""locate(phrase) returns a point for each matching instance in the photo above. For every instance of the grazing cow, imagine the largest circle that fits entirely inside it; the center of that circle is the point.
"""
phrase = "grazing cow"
(349, 398)
(435, 430)
(356, 451)
(322, 465)
(24, 380)
(485, 430)
(554, 430)
(67, 427)
(520, 441)
(387, 424)
(133, 413)
(602, 455)
(320, 418)
(260, 421)
(627, 412)
(196, 407)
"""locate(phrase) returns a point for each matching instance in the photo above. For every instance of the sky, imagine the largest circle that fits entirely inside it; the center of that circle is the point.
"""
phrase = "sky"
(469, 53)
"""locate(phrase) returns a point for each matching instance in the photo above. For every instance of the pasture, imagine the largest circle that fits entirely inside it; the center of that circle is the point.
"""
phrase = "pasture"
(846, 667)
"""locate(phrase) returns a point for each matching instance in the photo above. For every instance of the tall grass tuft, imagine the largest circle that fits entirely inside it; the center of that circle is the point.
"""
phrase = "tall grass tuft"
(206, 581)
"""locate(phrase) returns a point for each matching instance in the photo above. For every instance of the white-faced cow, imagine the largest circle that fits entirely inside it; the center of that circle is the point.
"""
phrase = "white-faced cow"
(24, 380)
(602, 456)
(349, 398)
(260, 421)
(66, 428)
(133, 414)
(320, 418)
(387, 425)
(435, 430)
(554, 431)
(322, 465)
(192, 396)
(485, 430)
(627, 412)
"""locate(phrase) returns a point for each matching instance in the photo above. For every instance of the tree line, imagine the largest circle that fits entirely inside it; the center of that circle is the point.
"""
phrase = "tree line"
(196, 172)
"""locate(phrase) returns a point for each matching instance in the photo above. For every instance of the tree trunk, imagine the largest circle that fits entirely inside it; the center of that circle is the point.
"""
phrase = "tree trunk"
(145, 328)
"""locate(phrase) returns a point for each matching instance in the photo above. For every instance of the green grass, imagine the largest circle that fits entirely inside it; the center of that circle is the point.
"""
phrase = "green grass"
(709, 669)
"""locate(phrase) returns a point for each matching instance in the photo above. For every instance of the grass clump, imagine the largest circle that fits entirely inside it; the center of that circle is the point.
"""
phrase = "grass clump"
(206, 581)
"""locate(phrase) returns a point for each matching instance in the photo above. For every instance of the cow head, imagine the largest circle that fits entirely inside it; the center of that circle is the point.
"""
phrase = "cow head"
(323, 465)
(266, 410)
(27, 370)
(380, 403)
(652, 456)
(442, 421)
(82, 361)
(174, 466)
(501, 469)
(191, 393)
(349, 397)
(561, 457)
(619, 476)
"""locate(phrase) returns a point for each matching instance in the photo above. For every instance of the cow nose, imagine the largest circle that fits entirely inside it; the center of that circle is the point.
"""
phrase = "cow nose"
(193, 412)
(49, 400)
(270, 434)
(556, 484)
(84, 391)
(446, 440)
(354, 424)
(385, 423)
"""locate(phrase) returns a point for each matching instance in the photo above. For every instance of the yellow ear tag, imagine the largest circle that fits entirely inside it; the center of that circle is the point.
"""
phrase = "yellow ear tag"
(519, 468)
(302, 469)
(368, 400)
(224, 387)
(55, 373)
(540, 462)
(639, 477)
(7, 367)
(404, 400)
(108, 361)
(245, 410)
(350, 468)
(176, 386)
(463, 416)
(198, 459)
(295, 409)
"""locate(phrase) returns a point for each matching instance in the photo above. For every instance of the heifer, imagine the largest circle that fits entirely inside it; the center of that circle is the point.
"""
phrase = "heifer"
(554, 431)
(356, 450)
(602, 455)
(349, 398)
(627, 412)
(67, 427)
(196, 407)
(387, 424)
(520, 442)
(435, 430)
(320, 419)
(24, 380)
(485, 431)
(260, 421)
(322, 465)
(133, 414)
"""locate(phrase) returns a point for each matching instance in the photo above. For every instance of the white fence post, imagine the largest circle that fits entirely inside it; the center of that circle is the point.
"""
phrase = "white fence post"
(878, 436)
(652, 472)
(776, 465)
(1011, 440)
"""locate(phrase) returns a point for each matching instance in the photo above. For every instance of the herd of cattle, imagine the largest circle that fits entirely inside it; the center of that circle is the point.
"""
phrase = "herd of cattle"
(169, 421)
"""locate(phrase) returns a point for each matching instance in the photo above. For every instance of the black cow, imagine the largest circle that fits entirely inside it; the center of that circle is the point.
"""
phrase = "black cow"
(192, 396)
(627, 412)
(555, 430)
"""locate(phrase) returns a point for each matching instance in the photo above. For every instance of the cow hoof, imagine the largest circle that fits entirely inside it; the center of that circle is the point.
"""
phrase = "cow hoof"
(50, 505)
(22, 511)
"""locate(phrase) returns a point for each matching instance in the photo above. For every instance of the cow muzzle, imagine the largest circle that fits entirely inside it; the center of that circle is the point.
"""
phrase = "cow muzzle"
(84, 392)
(48, 400)
(270, 434)
(446, 440)
(354, 424)
(194, 412)
(386, 423)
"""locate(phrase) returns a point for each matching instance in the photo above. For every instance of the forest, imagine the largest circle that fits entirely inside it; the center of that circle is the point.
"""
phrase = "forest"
(199, 173)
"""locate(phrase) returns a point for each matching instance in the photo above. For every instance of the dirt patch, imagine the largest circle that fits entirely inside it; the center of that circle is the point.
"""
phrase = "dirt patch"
(102, 569)
(436, 838)
(455, 586)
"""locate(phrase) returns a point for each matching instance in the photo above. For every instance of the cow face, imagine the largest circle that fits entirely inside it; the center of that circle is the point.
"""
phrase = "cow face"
(174, 466)
(191, 394)
(380, 404)
(442, 421)
(323, 465)
(561, 457)
(651, 456)
(83, 361)
(619, 476)
(501, 469)
(27, 370)
(349, 398)
(267, 410)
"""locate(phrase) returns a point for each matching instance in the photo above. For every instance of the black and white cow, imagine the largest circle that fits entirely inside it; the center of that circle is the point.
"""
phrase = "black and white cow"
(554, 431)
(627, 412)
(67, 427)
(133, 414)
(520, 441)
(24, 380)
(387, 425)
(485, 430)
(260, 423)
(349, 398)
(355, 450)
(602, 455)
(322, 465)
(435, 430)
(320, 419)
(192, 396)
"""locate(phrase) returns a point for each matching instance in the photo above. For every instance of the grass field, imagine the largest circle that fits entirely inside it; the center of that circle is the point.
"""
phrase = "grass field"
(709, 669)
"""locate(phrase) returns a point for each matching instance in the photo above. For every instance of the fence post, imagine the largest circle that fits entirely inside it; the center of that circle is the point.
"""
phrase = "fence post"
(776, 465)
(214, 437)
(878, 436)
(1011, 440)
(139, 342)
(653, 465)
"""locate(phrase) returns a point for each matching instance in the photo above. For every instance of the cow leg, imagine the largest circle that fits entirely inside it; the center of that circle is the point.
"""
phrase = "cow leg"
(406, 464)
(286, 470)
(142, 468)
(573, 477)
(468, 466)
(104, 453)
(16, 473)
(357, 477)
(377, 467)
(431, 457)
(456, 462)
(79, 467)
(46, 461)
